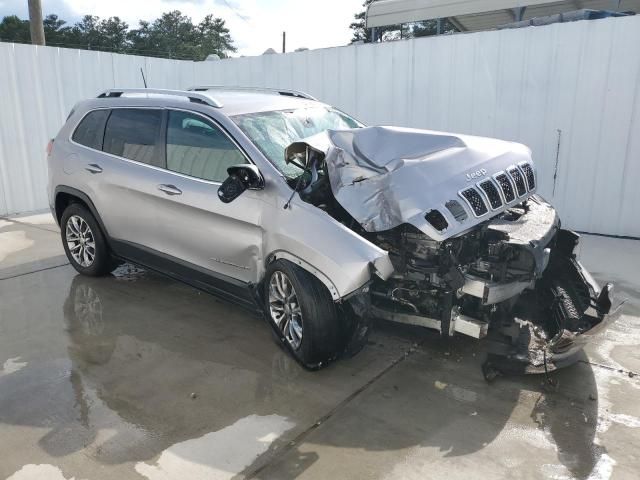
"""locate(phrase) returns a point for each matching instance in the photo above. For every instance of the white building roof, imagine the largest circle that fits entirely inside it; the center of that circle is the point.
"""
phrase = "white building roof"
(472, 15)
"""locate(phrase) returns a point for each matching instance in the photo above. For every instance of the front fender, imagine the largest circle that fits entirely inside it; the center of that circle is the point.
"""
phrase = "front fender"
(337, 256)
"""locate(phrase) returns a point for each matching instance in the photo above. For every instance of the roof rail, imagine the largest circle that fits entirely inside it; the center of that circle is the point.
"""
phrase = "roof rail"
(192, 96)
(279, 91)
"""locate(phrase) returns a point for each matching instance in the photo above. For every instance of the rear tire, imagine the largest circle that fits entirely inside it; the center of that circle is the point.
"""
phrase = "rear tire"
(84, 242)
(302, 313)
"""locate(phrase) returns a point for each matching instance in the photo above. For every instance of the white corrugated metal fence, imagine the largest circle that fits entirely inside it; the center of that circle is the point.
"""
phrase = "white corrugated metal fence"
(569, 91)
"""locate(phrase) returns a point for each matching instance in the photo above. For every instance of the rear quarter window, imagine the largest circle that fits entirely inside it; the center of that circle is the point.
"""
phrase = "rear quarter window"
(134, 134)
(90, 130)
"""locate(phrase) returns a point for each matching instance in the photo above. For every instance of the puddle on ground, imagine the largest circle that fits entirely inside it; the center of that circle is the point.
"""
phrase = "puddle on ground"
(460, 394)
(12, 365)
(218, 455)
(128, 272)
(13, 242)
(39, 472)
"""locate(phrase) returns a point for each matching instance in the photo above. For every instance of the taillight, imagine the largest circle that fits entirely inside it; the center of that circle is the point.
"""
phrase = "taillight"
(49, 147)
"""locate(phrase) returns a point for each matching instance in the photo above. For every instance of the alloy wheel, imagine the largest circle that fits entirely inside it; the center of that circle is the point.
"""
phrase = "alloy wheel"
(285, 308)
(80, 241)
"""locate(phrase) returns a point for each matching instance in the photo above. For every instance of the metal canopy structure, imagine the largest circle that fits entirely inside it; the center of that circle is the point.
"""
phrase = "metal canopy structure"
(474, 15)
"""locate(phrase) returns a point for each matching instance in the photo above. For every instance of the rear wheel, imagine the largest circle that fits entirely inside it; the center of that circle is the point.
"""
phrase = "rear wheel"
(302, 313)
(83, 242)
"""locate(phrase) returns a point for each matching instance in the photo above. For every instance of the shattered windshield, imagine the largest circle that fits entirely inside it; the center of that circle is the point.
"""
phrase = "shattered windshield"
(273, 132)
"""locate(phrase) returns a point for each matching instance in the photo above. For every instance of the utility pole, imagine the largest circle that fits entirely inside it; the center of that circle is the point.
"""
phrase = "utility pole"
(35, 22)
(284, 42)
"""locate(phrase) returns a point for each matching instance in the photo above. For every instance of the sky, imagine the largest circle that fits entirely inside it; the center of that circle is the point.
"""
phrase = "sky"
(255, 24)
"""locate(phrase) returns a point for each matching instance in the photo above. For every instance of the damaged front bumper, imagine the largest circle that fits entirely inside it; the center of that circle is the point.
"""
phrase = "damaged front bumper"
(562, 350)
(531, 344)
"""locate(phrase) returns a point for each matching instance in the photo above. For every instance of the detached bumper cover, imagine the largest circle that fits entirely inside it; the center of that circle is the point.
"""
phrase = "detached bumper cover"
(530, 349)
(564, 348)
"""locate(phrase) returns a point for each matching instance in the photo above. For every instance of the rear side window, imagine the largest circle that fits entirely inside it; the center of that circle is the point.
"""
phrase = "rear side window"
(197, 148)
(91, 129)
(133, 133)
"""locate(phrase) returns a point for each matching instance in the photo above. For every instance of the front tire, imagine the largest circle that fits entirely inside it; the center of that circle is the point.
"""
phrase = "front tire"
(84, 242)
(302, 313)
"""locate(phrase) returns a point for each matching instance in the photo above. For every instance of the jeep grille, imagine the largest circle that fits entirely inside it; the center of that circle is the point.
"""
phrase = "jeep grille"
(475, 201)
(529, 175)
(492, 193)
(507, 188)
(518, 179)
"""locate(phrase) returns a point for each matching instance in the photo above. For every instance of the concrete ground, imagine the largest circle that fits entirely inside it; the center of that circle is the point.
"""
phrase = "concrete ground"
(135, 376)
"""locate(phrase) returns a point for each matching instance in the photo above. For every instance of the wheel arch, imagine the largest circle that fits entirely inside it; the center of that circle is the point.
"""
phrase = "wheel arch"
(284, 255)
(65, 196)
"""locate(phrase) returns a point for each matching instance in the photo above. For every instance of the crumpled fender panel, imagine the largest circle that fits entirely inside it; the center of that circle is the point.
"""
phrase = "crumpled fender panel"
(343, 260)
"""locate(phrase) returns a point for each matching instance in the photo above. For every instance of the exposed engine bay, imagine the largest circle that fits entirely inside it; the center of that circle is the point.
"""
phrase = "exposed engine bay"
(474, 249)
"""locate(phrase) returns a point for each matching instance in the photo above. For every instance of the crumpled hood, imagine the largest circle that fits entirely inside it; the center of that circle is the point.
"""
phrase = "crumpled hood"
(386, 176)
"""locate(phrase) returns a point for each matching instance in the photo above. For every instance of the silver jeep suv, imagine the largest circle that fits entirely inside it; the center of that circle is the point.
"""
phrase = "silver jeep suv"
(285, 204)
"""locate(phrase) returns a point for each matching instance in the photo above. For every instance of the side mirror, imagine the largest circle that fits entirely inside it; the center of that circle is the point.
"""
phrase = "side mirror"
(241, 178)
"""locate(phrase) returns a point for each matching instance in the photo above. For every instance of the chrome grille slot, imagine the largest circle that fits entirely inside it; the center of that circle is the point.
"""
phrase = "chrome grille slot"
(529, 175)
(489, 188)
(518, 179)
(475, 201)
(507, 188)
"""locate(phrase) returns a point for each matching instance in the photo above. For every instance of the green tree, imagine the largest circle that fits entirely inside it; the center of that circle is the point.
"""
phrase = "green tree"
(214, 37)
(430, 27)
(172, 35)
(84, 34)
(395, 32)
(55, 31)
(13, 29)
(361, 33)
(112, 33)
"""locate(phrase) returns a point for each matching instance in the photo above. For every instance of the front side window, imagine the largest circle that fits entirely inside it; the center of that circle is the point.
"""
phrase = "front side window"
(90, 130)
(272, 132)
(133, 133)
(197, 148)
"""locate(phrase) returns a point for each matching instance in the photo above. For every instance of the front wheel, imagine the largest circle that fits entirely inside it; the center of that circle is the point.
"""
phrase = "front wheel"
(302, 313)
(83, 241)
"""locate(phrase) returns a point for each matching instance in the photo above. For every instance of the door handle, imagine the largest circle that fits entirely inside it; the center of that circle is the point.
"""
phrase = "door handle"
(93, 168)
(170, 189)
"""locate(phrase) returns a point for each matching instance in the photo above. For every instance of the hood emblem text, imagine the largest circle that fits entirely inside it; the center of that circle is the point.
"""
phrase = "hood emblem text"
(477, 174)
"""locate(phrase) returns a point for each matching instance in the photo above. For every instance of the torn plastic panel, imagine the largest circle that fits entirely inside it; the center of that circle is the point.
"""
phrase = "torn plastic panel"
(553, 322)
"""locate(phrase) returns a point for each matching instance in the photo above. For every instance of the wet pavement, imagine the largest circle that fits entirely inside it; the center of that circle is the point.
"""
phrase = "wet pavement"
(135, 376)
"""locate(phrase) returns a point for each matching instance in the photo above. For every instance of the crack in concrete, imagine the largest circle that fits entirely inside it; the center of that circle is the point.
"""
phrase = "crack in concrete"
(34, 271)
(630, 373)
(327, 416)
(301, 437)
(39, 227)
